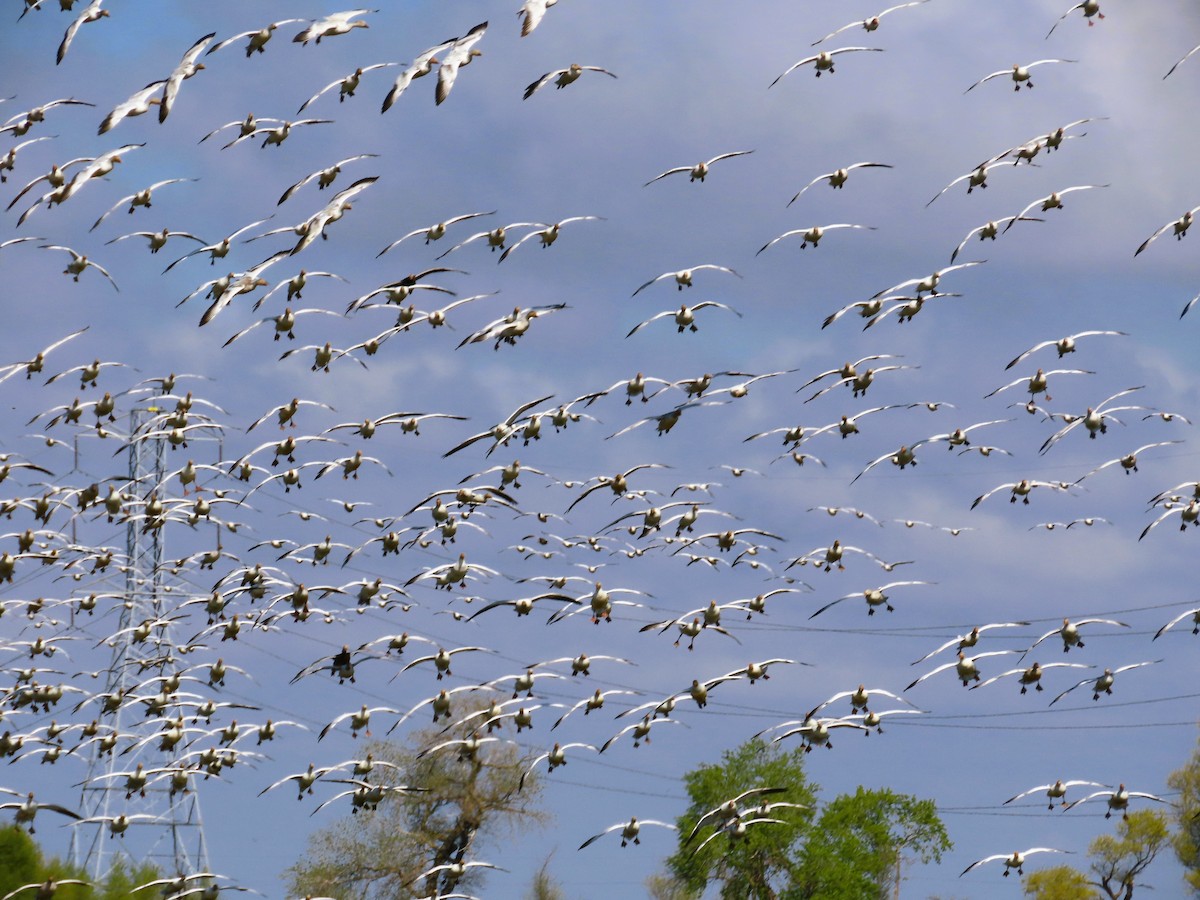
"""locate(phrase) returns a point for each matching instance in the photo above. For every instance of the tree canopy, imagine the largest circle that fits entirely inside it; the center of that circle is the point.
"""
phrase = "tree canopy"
(1186, 780)
(852, 849)
(22, 864)
(462, 795)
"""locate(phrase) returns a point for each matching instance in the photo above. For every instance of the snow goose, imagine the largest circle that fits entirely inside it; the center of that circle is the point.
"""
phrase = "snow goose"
(1056, 791)
(188, 66)
(1014, 860)
(811, 234)
(1179, 228)
(1019, 73)
(965, 667)
(1031, 674)
(258, 38)
(419, 68)
(822, 62)
(548, 234)
(1193, 613)
(459, 53)
(871, 23)
(1128, 462)
(91, 13)
(1089, 8)
(968, 640)
(347, 84)
(700, 170)
(562, 78)
(988, 231)
(1117, 800)
(875, 597)
(1103, 684)
(332, 25)
(838, 177)
(1038, 382)
(533, 11)
(1021, 489)
(1095, 419)
(684, 317)
(143, 198)
(1063, 345)
(137, 105)
(1052, 201)
(433, 232)
(629, 831)
(36, 364)
(157, 239)
(1185, 58)
(80, 263)
(684, 277)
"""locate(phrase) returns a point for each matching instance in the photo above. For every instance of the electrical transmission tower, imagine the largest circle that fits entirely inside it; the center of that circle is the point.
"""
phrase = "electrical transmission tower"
(178, 845)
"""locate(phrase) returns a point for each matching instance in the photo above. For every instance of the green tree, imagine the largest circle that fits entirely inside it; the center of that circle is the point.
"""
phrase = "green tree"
(858, 844)
(853, 850)
(1186, 780)
(463, 797)
(1059, 883)
(20, 859)
(22, 863)
(758, 865)
(1118, 860)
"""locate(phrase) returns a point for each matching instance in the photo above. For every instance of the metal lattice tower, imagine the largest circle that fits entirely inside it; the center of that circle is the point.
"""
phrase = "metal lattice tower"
(179, 845)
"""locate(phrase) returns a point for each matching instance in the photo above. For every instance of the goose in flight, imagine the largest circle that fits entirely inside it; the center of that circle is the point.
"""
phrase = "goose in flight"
(1089, 8)
(333, 25)
(80, 263)
(1185, 58)
(871, 23)
(562, 78)
(1193, 613)
(347, 84)
(874, 596)
(138, 198)
(1103, 684)
(684, 317)
(91, 13)
(1020, 74)
(1128, 462)
(1038, 382)
(1179, 228)
(684, 277)
(1021, 489)
(138, 104)
(988, 231)
(548, 234)
(258, 38)
(629, 831)
(1031, 674)
(458, 54)
(1117, 800)
(965, 667)
(968, 640)
(1095, 419)
(188, 66)
(434, 232)
(157, 239)
(811, 234)
(419, 68)
(1014, 860)
(533, 11)
(1051, 201)
(822, 62)
(1056, 791)
(838, 177)
(1063, 345)
(700, 170)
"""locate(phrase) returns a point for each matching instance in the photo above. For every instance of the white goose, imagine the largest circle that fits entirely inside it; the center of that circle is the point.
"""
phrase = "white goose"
(699, 171)
(871, 23)
(1020, 74)
(822, 62)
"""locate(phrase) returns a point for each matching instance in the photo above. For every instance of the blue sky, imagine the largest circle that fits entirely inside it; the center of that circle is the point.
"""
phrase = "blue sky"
(692, 83)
